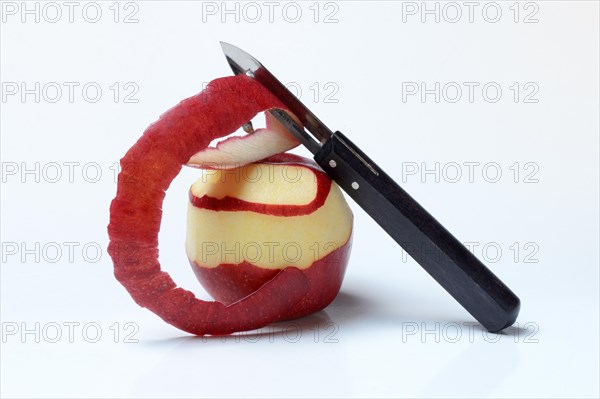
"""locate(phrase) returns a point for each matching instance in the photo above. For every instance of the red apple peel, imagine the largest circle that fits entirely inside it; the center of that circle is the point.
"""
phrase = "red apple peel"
(234, 204)
(147, 170)
(234, 152)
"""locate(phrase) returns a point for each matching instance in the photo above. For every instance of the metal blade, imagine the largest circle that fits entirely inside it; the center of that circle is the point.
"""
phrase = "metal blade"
(239, 60)
(242, 62)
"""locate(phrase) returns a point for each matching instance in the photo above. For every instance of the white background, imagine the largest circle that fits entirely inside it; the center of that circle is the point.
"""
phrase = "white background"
(392, 331)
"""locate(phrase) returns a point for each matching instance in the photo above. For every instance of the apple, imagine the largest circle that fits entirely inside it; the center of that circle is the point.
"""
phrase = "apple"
(263, 217)
(181, 136)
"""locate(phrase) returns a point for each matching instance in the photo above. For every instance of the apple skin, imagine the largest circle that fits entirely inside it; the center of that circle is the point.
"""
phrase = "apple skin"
(229, 282)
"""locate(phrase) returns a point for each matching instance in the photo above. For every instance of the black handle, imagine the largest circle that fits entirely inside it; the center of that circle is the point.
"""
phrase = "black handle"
(445, 258)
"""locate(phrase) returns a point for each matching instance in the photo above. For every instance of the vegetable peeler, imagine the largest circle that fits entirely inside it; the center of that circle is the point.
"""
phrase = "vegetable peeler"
(443, 256)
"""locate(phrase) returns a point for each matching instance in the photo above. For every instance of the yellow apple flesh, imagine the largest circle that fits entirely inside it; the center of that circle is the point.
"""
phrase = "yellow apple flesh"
(248, 223)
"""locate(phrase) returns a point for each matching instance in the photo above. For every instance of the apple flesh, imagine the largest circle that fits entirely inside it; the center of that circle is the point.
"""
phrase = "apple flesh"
(264, 217)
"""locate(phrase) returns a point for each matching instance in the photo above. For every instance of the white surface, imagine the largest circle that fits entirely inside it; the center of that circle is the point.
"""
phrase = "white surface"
(381, 344)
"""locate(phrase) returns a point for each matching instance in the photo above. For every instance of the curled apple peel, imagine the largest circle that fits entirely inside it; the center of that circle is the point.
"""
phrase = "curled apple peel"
(147, 170)
(234, 152)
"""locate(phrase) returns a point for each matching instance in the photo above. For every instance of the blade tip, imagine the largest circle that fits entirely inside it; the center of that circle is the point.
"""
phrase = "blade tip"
(225, 46)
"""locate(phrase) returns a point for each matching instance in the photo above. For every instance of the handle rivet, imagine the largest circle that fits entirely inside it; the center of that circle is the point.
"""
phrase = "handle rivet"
(355, 185)
(332, 163)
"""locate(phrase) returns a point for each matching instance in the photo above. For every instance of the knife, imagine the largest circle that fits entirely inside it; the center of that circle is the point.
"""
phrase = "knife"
(444, 257)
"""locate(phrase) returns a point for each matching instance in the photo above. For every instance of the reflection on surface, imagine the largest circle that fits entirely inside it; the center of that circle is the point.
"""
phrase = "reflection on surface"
(405, 341)
(478, 368)
(288, 358)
